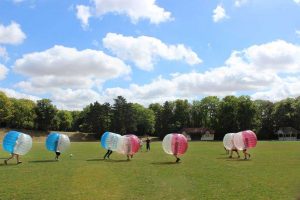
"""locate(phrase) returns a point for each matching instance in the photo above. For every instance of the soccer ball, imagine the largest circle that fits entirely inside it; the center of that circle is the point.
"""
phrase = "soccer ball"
(71, 155)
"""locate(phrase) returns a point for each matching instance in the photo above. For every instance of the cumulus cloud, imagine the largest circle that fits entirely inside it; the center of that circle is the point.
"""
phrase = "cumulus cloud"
(257, 70)
(3, 71)
(83, 14)
(64, 67)
(219, 14)
(11, 34)
(135, 10)
(239, 3)
(3, 53)
(297, 1)
(297, 31)
(267, 71)
(144, 50)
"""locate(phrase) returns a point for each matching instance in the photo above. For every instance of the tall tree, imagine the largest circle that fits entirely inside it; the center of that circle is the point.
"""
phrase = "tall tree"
(182, 114)
(264, 119)
(168, 125)
(45, 113)
(196, 112)
(5, 109)
(157, 110)
(65, 120)
(145, 120)
(209, 111)
(227, 116)
(246, 112)
(23, 112)
(284, 113)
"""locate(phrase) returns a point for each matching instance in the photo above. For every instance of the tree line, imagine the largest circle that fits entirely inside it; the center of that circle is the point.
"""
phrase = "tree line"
(229, 114)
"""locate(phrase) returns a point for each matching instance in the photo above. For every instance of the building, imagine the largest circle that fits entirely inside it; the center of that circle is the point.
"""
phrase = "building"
(287, 134)
(203, 134)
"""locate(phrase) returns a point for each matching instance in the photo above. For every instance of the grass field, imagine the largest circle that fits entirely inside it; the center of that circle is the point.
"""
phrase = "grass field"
(205, 173)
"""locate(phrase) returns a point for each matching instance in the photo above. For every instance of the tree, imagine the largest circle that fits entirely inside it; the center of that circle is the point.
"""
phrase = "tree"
(284, 113)
(45, 113)
(197, 115)
(23, 112)
(145, 120)
(182, 117)
(227, 116)
(157, 110)
(123, 116)
(264, 119)
(168, 125)
(246, 112)
(209, 112)
(65, 120)
(5, 109)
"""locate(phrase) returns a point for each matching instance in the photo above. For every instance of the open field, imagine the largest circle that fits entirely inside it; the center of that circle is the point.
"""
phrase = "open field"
(205, 173)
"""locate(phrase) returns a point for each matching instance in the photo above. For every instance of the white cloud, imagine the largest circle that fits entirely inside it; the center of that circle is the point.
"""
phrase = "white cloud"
(3, 53)
(135, 10)
(18, 95)
(3, 71)
(257, 70)
(83, 14)
(69, 99)
(267, 71)
(11, 34)
(219, 14)
(297, 1)
(239, 3)
(63, 67)
(297, 31)
(144, 50)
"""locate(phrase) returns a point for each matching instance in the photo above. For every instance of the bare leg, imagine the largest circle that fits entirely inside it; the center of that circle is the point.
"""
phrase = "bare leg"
(230, 155)
(11, 157)
(18, 160)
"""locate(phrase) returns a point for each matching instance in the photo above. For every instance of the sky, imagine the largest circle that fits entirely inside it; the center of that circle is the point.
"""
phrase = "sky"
(81, 51)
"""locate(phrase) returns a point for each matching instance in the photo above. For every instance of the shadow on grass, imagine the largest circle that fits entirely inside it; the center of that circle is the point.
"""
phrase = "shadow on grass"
(116, 161)
(98, 159)
(42, 161)
(164, 163)
(222, 158)
(238, 159)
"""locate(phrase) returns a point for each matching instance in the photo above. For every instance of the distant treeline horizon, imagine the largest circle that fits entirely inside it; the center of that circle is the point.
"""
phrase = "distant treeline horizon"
(226, 115)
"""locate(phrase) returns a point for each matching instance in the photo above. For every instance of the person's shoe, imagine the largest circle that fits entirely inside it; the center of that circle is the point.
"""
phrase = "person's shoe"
(230, 156)
(5, 162)
(177, 160)
(19, 162)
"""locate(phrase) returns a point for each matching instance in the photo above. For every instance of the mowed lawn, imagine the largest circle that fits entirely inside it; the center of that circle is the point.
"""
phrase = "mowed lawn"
(204, 173)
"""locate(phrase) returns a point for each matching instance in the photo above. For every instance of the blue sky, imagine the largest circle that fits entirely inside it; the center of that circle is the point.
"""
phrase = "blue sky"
(78, 52)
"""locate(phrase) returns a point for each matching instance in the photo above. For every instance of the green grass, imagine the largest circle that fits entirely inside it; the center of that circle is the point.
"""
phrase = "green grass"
(205, 173)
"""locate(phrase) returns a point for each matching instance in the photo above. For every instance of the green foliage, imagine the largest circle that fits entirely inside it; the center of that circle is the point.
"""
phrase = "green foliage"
(5, 109)
(145, 119)
(204, 173)
(45, 114)
(23, 114)
(230, 114)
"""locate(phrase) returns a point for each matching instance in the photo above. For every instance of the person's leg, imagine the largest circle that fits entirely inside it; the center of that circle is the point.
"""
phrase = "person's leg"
(18, 159)
(106, 154)
(109, 153)
(245, 154)
(177, 159)
(128, 157)
(11, 157)
(237, 152)
(230, 155)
